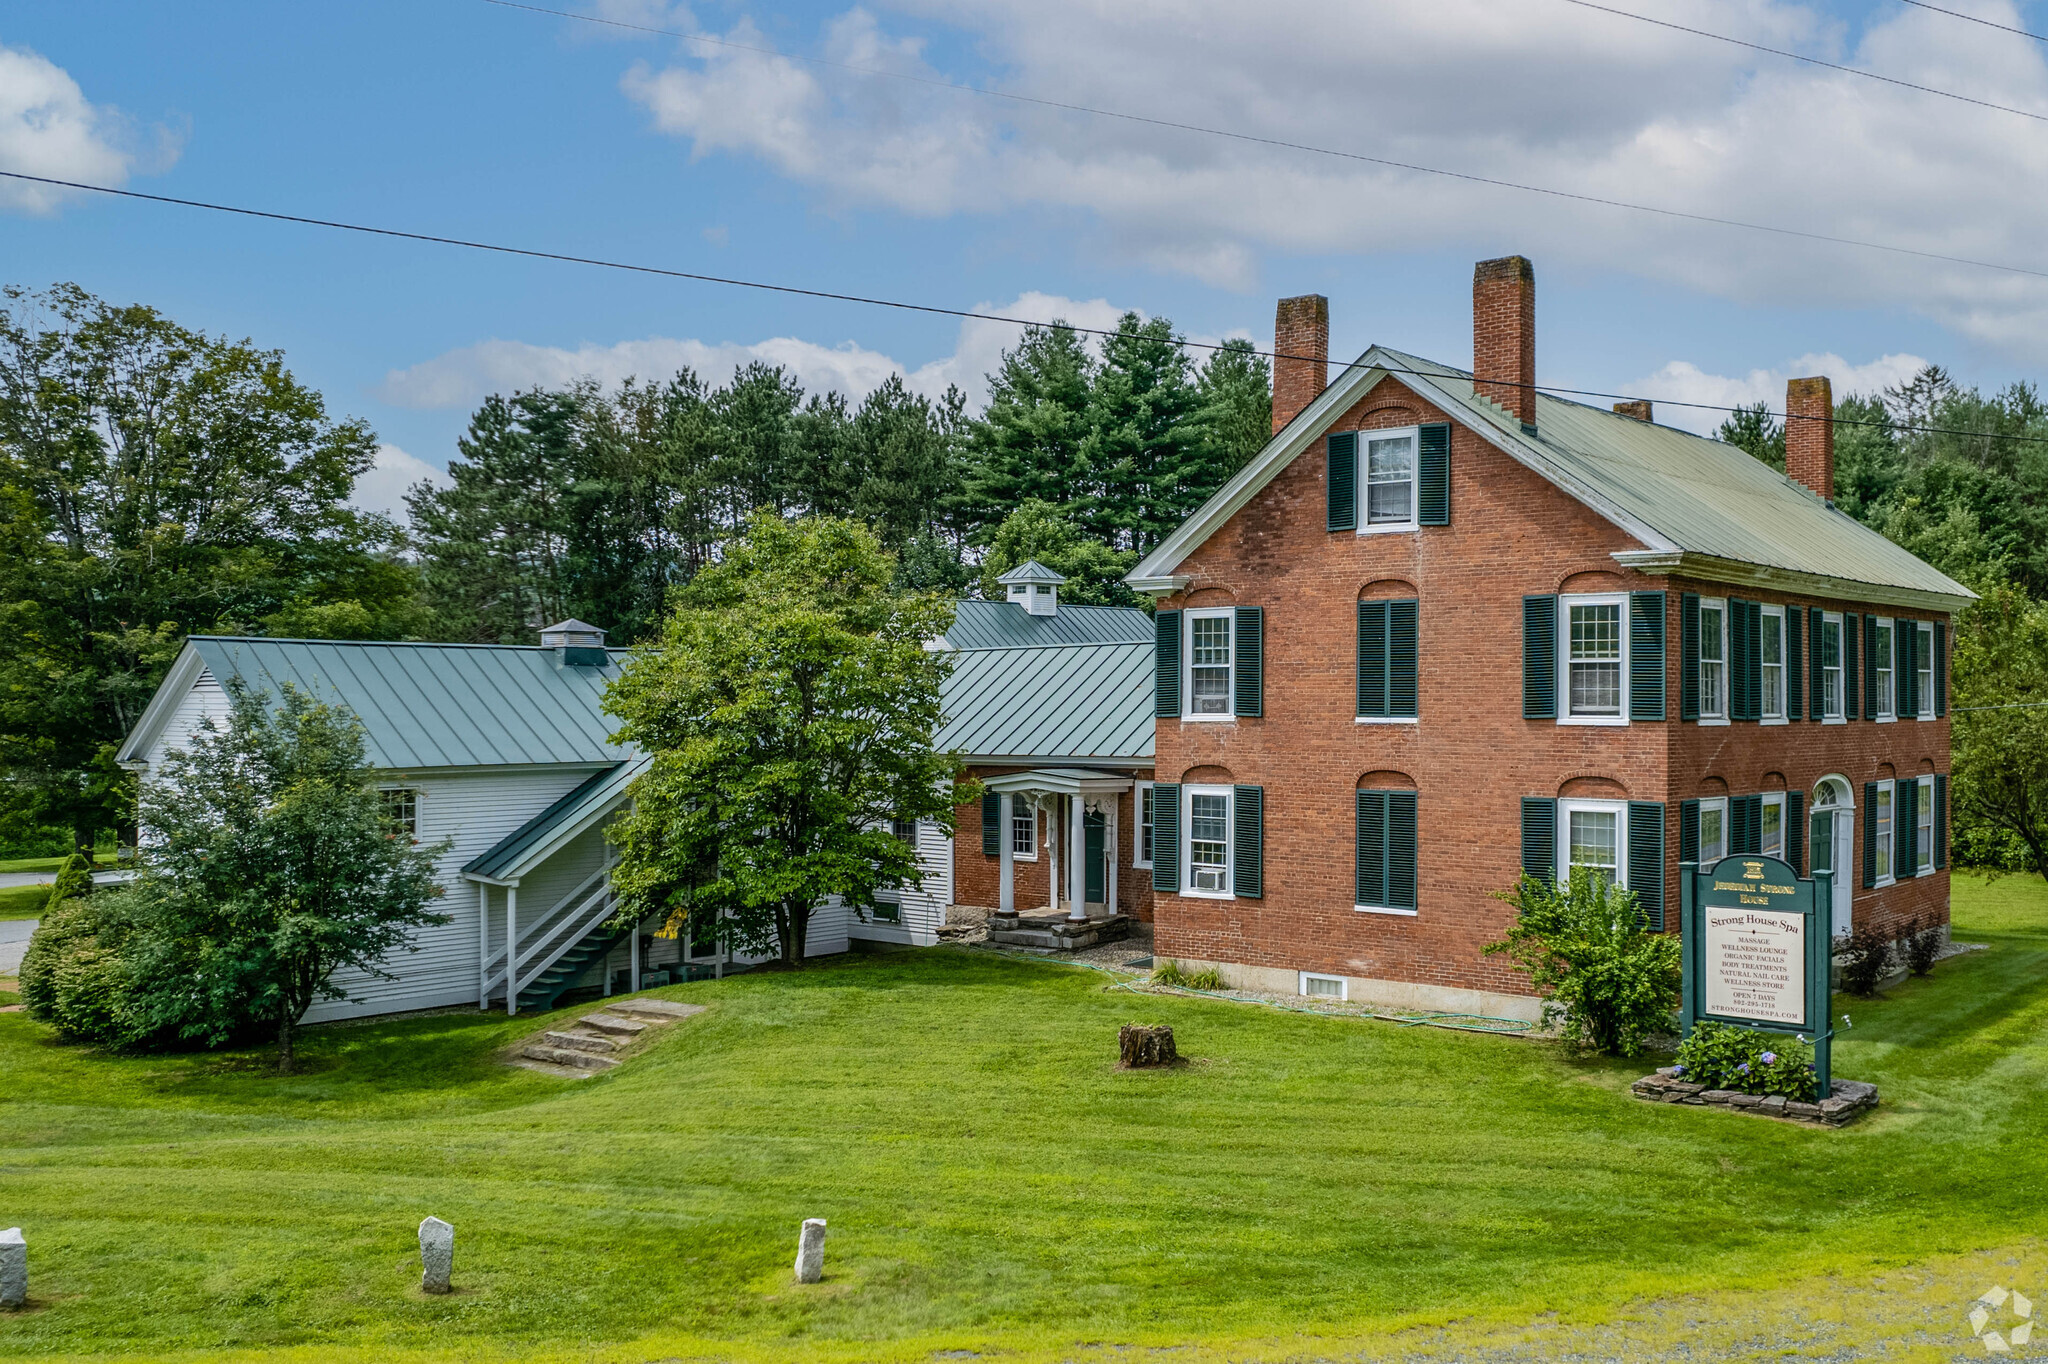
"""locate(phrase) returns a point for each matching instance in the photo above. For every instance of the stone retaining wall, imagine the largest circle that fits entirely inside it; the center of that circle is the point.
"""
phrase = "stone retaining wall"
(1847, 1099)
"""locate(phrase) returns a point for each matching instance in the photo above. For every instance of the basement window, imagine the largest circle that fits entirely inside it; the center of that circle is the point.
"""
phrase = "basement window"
(1316, 986)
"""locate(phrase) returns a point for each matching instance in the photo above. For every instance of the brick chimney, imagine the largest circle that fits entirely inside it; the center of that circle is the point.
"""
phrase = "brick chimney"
(1301, 327)
(1810, 435)
(1504, 334)
(1639, 408)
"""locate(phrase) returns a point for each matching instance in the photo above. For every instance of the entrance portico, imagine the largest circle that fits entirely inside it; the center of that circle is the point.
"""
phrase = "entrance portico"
(1080, 806)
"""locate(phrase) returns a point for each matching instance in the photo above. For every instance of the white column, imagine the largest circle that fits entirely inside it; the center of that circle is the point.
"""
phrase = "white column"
(1077, 872)
(512, 949)
(1052, 852)
(1109, 859)
(483, 944)
(1006, 885)
(633, 961)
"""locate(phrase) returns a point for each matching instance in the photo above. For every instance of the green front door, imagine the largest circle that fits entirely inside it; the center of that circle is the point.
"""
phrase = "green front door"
(1097, 874)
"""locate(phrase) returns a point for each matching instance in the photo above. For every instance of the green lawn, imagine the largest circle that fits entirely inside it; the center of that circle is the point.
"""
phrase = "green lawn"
(23, 902)
(993, 1183)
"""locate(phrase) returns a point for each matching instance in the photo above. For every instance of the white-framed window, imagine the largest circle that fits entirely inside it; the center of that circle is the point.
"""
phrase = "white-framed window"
(1594, 834)
(1389, 482)
(1023, 831)
(1714, 659)
(1713, 830)
(1209, 663)
(1881, 874)
(1593, 660)
(1141, 846)
(1923, 659)
(1208, 827)
(1772, 619)
(402, 809)
(1831, 666)
(1317, 986)
(1923, 827)
(1887, 691)
(1771, 826)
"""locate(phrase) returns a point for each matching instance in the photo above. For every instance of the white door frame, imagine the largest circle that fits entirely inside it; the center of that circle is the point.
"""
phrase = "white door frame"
(1842, 822)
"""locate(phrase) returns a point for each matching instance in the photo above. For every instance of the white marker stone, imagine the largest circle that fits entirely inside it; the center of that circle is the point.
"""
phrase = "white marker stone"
(437, 1255)
(14, 1268)
(810, 1251)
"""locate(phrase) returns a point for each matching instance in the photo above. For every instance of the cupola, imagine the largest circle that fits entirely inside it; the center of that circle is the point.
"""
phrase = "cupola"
(577, 644)
(1034, 587)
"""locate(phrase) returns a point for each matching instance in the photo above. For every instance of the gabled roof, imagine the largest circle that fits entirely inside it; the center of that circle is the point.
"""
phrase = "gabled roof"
(1032, 571)
(1006, 625)
(1072, 703)
(1700, 507)
(421, 705)
(533, 842)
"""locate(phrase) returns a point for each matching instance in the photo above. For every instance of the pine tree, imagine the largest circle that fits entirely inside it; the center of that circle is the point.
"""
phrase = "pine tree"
(1028, 441)
(1139, 430)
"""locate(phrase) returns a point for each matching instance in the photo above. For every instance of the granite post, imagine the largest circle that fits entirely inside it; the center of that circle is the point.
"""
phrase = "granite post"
(437, 1255)
(810, 1251)
(14, 1268)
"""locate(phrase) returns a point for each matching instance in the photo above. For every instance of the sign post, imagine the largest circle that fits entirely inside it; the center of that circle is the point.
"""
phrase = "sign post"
(1756, 948)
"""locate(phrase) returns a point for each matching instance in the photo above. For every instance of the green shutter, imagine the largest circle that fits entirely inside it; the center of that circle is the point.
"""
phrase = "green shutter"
(1402, 649)
(1905, 830)
(1341, 487)
(1539, 658)
(1852, 658)
(1745, 660)
(1940, 667)
(1795, 831)
(1689, 656)
(1372, 848)
(1870, 708)
(1372, 658)
(1795, 667)
(1433, 475)
(1248, 842)
(1905, 668)
(1869, 813)
(1248, 660)
(1816, 672)
(1166, 665)
(1401, 859)
(992, 825)
(1646, 655)
(1940, 819)
(1688, 831)
(1646, 860)
(1539, 837)
(1166, 837)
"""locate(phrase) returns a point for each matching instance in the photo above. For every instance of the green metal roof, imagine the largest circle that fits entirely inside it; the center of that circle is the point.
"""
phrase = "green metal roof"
(1005, 625)
(515, 854)
(1071, 702)
(437, 705)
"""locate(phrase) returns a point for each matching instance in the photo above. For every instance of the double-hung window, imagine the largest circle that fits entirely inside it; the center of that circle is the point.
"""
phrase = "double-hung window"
(1595, 659)
(1831, 666)
(1771, 834)
(401, 810)
(1882, 818)
(1923, 826)
(1713, 660)
(1923, 660)
(1713, 830)
(1023, 831)
(1208, 860)
(1773, 662)
(1209, 663)
(1595, 836)
(1141, 845)
(1389, 480)
(1881, 648)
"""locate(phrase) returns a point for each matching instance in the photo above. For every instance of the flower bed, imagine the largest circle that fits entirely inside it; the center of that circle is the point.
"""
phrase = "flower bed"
(1847, 1098)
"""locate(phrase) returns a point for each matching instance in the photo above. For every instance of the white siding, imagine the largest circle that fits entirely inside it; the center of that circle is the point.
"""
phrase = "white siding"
(924, 907)
(206, 700)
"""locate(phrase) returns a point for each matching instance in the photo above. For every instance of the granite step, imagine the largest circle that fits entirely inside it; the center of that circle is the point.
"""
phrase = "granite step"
(654, 1010)
(564, 1056)
(580, 1041)
(620, 1027)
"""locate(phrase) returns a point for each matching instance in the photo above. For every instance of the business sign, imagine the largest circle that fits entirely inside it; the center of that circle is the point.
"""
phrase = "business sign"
(1756, 951)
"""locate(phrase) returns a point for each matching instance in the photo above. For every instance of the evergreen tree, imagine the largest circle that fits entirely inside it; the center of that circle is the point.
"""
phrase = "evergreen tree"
(1037, 530)
(1028, 441)
(1754, 429)
(1233, 420)
(1135, 456)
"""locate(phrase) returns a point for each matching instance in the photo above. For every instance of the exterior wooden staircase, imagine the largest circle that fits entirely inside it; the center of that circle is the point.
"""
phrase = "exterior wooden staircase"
(544, 990)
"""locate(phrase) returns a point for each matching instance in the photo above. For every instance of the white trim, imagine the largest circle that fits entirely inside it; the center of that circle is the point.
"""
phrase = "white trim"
(1187, 841)
(1227, 614)
(1343, 994)
(1840, 714)
(1923, 634)
(1719, 605)
(1019, 811)
(1618, 600)
(1719, 805)
(1387, 909)
(1617, 808)
(1769, 611)
(1923, 848)
(184, 674)
(1142, 838)
(1886, 833)
(1791, 581)
(1386, 720)
(1361, 484)
(1888, 691)
(1771, 798)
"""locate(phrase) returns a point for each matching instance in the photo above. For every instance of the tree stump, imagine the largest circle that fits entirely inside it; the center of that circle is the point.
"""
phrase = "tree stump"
(1145, 1048)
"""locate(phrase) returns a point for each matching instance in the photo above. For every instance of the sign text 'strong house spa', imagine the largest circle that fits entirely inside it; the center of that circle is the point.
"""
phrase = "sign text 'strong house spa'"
(1444, 629)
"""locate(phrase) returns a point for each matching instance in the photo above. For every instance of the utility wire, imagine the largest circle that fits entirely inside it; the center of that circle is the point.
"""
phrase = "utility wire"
(1958, 14)
(1810, 61)
(1257, 140)
(930, 309)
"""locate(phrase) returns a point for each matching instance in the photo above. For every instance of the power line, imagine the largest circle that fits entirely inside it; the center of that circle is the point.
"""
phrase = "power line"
(930, 309)
(1281, 143)
(1811, 61)
(1958, 14)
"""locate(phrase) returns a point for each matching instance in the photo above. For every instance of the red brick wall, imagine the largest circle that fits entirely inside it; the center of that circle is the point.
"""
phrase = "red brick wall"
(977, 877)
(1472, 757)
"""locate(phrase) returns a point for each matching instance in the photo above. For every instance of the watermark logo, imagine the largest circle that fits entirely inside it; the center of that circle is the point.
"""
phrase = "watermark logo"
(1993, 1309)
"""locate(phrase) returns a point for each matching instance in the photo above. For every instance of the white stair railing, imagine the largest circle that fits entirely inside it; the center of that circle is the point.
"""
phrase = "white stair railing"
(533, 936)
(578, 924)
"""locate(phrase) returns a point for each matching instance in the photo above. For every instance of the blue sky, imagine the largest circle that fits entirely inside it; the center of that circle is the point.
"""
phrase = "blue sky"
(469, 119)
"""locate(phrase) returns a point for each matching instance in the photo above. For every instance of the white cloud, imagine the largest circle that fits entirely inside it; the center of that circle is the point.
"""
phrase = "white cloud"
(460, 378)
(1681, 381)
(1535, 92)
(48, 127)
(383, 486)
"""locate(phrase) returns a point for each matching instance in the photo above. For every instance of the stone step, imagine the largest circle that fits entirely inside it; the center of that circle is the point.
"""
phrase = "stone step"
(580, 1041)
(622, 1027)
(654, 1010)
(563, 1056)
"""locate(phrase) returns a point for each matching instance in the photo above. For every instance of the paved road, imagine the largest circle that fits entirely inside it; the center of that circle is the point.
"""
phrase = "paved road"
(14, 936)
(10, 879)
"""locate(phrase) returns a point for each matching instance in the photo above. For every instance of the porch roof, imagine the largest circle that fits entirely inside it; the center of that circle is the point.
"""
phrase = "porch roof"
(1065, 703)
(1062, 781)
(533, 842)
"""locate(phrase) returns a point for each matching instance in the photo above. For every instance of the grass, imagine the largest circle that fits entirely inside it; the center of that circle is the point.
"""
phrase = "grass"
(993, 1183)
(23, 902)
(49, 863)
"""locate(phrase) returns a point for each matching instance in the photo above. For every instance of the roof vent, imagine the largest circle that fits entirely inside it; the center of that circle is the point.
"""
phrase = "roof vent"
(577, 644)
(1034, 587)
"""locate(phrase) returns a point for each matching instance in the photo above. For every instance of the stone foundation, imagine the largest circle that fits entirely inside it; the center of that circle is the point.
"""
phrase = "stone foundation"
(1848, 1099)
(1056, 931)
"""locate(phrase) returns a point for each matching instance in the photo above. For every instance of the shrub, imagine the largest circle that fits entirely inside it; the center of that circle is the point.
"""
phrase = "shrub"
(74, 879)
(1607, 979)
(75, 978)
(1169, 973)
(1923, 943)
(1866, 960)
(1725, 1056)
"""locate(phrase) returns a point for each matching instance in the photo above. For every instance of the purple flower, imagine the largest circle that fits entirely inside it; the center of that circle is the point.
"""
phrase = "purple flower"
(1678, 1069)
(1770, 1058)
(1742, 1069)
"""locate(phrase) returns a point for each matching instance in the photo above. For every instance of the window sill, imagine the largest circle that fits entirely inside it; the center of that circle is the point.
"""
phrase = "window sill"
(1884, 719)
(1385, 909)
(1141, 866)
(1834, 720)
(1774, 720)
(1610, 721)
(1713, 721)
(1208, 719)
(1208, 895)
(1386, 720)
(1020, 857)
(1388, 529)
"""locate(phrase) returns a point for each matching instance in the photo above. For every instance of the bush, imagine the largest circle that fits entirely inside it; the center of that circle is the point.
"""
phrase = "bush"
(1866, 960)
(75, 977)
(1606, 979)
(74, 879)
(1725, 1056)
(1169, 973)
(1923, 943)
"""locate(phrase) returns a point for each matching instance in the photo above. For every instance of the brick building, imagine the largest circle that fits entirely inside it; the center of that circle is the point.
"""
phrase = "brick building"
(1444, 629)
